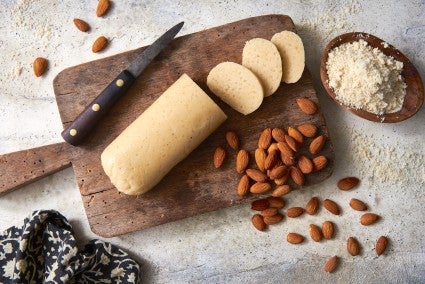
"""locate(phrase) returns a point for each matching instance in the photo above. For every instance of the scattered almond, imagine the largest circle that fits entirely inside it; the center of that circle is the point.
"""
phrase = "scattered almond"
(272, 147)
(219, 156)
(260, 187)
(271, 220)
(369, 218)
(294, 238)
(278, 134)
(312, 206)
(317, 144)
(292, 143)
(307, 106)
(243, 186)
(278, 172)
(102, 7)
(39, 66)
(258, 222)
(315, 233)
(297, 176)
(305, 164)
(294, 212)
(232, 139)
(269, 212)
(260, 157)
(294, 133)
(331, 264)
(319, 163)
(283, 180)
(242, 160)
(358, 205)
(381, 245)
(271, 159)
(265, 138)
(328, 230)
(286, 153)
(281, 190)
(331, 206)
(81, 25)
(276, 202)
(256, 175)
(99, 44)
(260, 204)
(308, 130)
(353, 246)
(348, 183)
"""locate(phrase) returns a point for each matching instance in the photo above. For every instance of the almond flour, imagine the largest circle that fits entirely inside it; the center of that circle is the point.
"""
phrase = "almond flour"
(365, 78)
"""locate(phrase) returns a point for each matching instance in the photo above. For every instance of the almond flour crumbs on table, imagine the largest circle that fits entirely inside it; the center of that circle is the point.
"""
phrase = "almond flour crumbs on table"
(365, 78)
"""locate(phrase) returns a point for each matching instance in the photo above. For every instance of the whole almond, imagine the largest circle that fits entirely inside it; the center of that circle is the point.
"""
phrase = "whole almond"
(102, 7)
(260, 157)
(353, 246)
(317, 144)
(258, 222)
(297, 176)
(283, 180)
(278, 134)
(331, 264)
(272, 147)
(219, 156)
(269, 212)
(243, 186)
(281, 190)
(276, 202)
(271, 159)
(292, 143)
(305, 164)
(81, 25)
(39, 66)
(319, 163)
(358, 205)
(328, 230)
(308, 130)
(369, 218)
(294, 133)
(260, 204)
(232, 139)
(242, 161)
(99, 44)
(256, 175)
(381, 245)
(312, 206)
(260, 187)
(348, 183)
(307, 106)
(265, 138)
(271, 220)
(278, 172)
(331, 206)
(294, 212)
(294, 238)
(315, 233)
(286, 153)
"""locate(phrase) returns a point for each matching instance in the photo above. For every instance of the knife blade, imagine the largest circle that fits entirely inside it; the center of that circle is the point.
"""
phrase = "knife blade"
(75, 133)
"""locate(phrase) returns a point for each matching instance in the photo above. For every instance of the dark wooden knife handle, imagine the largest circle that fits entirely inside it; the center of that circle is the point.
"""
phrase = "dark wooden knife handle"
(75, 133)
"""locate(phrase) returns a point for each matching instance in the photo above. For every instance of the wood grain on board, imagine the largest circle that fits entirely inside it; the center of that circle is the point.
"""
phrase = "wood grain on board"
(194, 186)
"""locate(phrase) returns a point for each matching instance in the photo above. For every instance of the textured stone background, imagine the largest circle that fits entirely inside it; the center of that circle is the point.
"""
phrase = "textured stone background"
(222, 246)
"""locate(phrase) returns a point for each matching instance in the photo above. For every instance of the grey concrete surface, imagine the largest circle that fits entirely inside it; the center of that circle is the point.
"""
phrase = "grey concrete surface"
(222, 246)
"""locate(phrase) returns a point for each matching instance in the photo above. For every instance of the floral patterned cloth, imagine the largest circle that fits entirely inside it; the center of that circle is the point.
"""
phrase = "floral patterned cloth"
(44, 250)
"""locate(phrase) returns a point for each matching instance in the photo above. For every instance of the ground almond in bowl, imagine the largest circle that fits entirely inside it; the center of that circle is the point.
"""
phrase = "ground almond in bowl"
(363, 77)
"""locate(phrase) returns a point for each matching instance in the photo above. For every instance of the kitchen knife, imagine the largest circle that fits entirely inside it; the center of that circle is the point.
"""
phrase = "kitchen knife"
(75, 133)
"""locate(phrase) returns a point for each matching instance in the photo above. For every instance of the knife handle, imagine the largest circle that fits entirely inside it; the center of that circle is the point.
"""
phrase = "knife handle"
(75, 133)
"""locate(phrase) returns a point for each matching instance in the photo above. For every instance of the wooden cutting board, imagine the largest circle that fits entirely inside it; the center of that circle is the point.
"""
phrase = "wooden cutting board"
(194, 186)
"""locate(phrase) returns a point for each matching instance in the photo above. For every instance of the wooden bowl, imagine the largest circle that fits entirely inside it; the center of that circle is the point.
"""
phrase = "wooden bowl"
(414, 91)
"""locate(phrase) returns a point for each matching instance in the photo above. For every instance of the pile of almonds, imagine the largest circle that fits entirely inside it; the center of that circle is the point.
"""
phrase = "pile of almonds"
(40, 63)
(279, 160)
